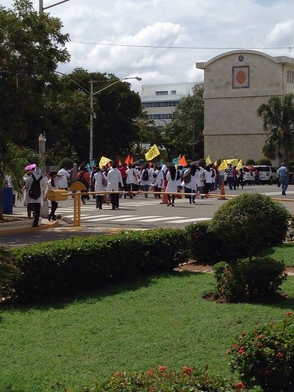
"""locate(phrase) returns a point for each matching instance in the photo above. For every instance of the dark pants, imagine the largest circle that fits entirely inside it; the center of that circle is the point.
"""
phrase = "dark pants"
(114, 200)
(54, 206)
(99, 201)
(36, 207)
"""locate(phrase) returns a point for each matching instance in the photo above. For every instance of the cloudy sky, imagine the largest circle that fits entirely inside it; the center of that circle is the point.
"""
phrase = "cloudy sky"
(161, 40)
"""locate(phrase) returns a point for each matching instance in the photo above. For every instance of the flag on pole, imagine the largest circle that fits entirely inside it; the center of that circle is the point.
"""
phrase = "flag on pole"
(182, 161)
(152, 153)
(240, 165)
(208, 160)
(233, 161)
(103, 161)
(119, 162)
(176, 161)
(131, 160)
(127, 160)
(223, 165)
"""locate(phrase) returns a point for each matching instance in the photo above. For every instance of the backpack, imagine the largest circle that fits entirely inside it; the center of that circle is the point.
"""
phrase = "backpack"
(145, 176)
(35, 189)
(81, 178)
(187, 176)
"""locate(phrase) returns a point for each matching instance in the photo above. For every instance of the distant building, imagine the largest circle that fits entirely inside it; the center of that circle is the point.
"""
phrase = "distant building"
(161, 100)
(235, 84)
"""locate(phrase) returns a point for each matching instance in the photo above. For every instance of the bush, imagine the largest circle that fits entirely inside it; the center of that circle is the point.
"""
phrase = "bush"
(205, 247)
(249, 280)
(264, 161)
(250, 223)
(78, 265)
(8, 273)
(265, 356)
(161, 379)
(67, 163)
(250, 162)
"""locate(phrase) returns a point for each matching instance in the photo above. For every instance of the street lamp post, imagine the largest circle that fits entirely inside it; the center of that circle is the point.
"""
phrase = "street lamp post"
(92, 114)
(42, 8)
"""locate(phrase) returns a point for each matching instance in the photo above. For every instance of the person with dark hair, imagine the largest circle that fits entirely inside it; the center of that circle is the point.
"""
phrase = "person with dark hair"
(100, 182)
(115, 183)
(172, 185)
(36, 202)
(84, 177)
(53, 184)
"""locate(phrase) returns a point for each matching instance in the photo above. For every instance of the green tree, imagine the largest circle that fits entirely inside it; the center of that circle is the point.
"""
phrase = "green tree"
(117, 116)
(12, 162)
(184, 135)
(278, 121)
(31, 47)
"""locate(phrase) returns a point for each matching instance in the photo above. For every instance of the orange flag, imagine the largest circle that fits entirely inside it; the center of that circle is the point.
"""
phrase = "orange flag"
(127, 161)
(182, 161)
(131, 160)
(119, 162)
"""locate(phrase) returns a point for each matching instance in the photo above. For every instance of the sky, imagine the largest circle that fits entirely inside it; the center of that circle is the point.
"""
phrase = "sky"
(161, 40)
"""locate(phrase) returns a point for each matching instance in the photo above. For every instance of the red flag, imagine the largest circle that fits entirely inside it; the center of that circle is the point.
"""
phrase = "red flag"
(127, 161)
(182, 161)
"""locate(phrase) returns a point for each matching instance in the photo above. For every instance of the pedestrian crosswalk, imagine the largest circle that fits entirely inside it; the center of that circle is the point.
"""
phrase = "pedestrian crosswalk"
(106, 216)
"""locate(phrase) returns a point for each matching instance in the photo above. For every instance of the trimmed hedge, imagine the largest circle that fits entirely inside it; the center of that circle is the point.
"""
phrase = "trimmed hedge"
(78, 265)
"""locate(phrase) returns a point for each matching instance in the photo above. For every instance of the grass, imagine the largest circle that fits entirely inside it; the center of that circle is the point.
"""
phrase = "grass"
(161, 320)
(284, 252)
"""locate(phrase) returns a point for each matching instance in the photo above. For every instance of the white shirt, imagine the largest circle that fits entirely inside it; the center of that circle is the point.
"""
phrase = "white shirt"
(63, 180)
(113, 178)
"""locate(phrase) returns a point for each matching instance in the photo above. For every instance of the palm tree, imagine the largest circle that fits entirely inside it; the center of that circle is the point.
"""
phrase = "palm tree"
(278, 119)
(13, 159)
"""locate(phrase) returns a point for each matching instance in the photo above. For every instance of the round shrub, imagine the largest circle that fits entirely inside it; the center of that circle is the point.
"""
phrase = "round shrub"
(265, 357)
(250, 223)
(67, 163)
(249, 280)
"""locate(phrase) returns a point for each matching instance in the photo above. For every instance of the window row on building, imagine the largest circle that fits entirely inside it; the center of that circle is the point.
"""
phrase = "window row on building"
(160, 104)
(166, 116)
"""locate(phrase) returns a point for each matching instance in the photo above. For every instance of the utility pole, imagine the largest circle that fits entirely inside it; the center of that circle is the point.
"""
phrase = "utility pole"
(42, 8)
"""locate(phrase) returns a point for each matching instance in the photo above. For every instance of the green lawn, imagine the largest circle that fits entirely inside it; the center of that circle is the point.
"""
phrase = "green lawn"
(158, 321)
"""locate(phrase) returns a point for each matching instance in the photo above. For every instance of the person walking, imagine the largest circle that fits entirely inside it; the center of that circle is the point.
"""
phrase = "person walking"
(130, 179)
(100, 182)
(115, 182)
(64, 177)
(284, 178)
(230, 175)
(172, 185)
(84, 177)
(53, 184)
(36, 203)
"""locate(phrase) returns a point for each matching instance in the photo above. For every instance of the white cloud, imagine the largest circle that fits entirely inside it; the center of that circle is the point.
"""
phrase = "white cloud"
(137, 33)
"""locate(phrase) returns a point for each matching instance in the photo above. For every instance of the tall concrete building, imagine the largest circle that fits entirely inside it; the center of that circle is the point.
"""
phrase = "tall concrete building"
(161, 100)
(235, 84)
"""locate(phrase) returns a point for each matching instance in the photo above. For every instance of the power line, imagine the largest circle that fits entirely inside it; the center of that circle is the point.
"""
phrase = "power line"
(181, 47)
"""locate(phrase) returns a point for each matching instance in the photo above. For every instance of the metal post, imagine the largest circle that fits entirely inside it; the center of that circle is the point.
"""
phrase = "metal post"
(91, 124)
(41, 8)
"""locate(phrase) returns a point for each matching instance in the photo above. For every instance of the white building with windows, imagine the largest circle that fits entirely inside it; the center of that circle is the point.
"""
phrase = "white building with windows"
(161, 100)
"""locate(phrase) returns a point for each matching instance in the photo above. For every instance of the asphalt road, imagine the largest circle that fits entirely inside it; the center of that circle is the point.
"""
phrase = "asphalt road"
(139, 213)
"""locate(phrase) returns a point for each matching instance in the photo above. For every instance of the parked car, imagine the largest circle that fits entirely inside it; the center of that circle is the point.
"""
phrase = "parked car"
(266, 174)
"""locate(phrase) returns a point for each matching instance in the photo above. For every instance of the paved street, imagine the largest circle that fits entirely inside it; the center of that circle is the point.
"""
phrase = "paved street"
(138, 213)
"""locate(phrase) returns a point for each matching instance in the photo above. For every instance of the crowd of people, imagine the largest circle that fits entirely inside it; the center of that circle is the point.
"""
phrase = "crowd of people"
(114, 181)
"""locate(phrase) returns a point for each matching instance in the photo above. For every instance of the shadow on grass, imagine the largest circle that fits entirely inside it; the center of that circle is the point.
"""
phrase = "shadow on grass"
(94, 295)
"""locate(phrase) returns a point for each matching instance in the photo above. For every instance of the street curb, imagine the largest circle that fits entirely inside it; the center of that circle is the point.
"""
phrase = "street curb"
(7, 228)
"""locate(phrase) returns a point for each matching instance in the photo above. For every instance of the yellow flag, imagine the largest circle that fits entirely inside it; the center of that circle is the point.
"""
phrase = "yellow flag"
(103, 162)
(208, 160)
(240, 164)
(223, 165)
(152, 153)
(233, 162)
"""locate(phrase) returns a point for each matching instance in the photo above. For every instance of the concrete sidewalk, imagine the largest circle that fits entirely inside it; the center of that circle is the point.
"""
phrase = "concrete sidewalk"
(21, 223)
